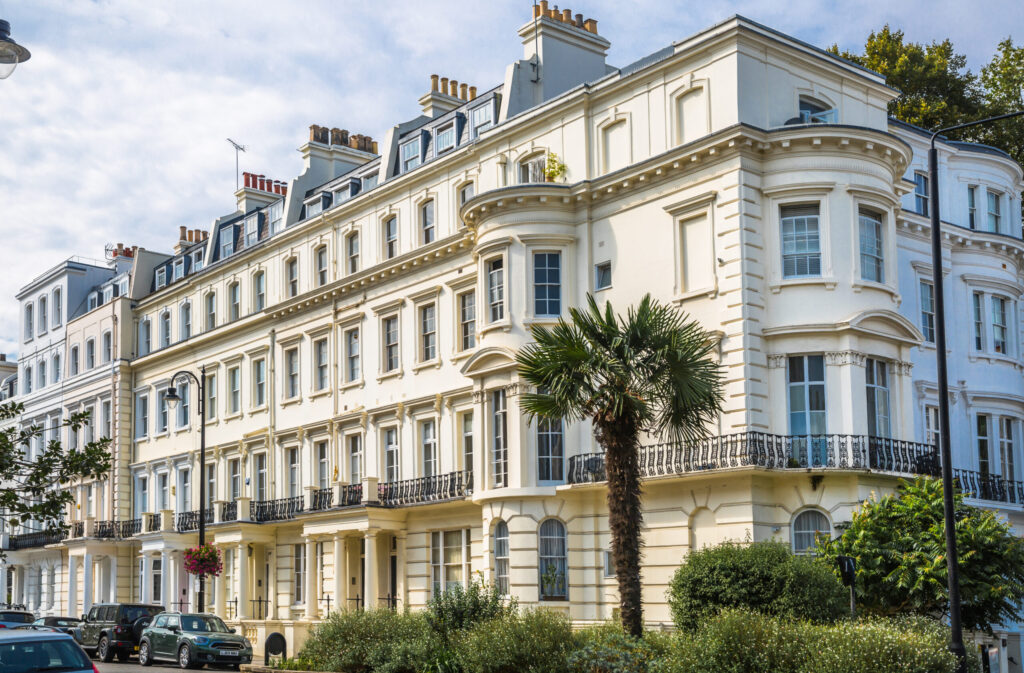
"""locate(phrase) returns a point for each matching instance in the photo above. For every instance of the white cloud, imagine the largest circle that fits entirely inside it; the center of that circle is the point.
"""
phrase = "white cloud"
(115, 130)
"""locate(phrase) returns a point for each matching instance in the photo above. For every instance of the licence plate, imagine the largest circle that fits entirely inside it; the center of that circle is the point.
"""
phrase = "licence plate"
(229, 653)
(136, 648)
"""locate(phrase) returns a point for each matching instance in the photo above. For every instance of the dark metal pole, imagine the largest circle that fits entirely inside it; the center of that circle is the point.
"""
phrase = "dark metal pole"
(956, 645)
(201, 599)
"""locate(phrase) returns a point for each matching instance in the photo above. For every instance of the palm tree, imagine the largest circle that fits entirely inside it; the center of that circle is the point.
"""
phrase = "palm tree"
(650, 372)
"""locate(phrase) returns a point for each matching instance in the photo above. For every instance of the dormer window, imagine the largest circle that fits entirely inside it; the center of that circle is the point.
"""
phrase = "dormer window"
(252, 230)
(314, 207)
(369, 181)
(410, 153)
(197, 262)
(179, 269)
(813, 111)
(227, 242)
(108, 293)
(482, 119)
(276, 214)
(161, 279)
(444, 139)
(94, 297)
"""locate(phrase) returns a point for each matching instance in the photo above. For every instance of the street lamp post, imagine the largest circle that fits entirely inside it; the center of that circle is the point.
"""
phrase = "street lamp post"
(11, 53)
(952, 563)
(172, 398)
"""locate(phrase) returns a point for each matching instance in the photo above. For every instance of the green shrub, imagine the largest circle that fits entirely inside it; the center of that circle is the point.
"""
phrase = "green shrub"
(764, 577)
(456, 609)
(534, 641)
(608, 649)
(377, 641)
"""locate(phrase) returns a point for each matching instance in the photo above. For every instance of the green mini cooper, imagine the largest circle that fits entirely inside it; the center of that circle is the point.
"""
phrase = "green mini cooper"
(192, 640)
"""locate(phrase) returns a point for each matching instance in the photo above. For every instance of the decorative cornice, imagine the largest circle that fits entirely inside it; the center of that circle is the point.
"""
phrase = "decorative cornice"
(845, 358)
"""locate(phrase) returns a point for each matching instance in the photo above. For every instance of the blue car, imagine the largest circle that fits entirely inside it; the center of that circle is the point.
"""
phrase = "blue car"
(10, 619)
(24, 651)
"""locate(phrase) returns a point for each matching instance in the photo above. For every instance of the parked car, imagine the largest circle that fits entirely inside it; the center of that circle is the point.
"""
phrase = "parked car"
(193, 640)
(62, 624)
(12, 618)
(26, 651)
(114, 629)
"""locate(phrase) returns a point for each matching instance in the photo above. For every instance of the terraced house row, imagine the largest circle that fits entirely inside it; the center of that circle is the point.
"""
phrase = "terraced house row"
(357, 325)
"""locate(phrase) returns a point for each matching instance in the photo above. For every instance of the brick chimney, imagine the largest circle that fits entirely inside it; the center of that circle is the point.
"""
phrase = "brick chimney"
(445, 95)
(258, 190)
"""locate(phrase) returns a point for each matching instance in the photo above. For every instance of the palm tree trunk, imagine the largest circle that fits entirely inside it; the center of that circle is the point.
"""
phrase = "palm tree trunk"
(619, 437)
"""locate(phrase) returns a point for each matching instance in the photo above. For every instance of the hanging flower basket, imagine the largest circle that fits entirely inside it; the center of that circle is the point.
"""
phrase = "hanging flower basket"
(203, 560)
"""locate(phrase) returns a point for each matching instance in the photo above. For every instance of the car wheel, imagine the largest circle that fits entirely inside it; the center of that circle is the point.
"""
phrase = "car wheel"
(185, 657)
(103, 650)
(145, 658)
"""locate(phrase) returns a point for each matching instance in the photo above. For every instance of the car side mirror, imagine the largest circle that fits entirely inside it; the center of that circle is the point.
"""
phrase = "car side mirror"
(176, 629)
(231, 630)
(85, 618)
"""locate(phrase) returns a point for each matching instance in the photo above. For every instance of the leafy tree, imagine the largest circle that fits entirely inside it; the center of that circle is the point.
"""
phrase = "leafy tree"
(936, 88)
(900, 547)
(648, 372)
(764, 577)
(1003, 83)
(30, 488)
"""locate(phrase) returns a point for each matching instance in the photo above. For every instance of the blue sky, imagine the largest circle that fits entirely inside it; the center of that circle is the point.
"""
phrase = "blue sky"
(115, 129)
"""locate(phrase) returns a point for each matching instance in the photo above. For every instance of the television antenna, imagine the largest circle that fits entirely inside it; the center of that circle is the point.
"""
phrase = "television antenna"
(238, 148)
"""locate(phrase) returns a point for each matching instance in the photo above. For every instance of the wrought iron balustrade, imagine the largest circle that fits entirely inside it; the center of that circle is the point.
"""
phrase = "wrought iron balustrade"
(152, 523)
(35, 539)
(321, 499)
(185, 522)
(105, 529)
(350, 494)
(229, 511)
(276, 510)
(129, 528)
(77, 529)
(439, 487)
(777, 452)
(985, 486)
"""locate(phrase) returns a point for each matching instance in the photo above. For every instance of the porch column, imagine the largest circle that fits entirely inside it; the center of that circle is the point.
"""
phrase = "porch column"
(220, 595)
(87, 582)
(164, 570)
(21, 576)
(3, 583)
(402, 569)
(147, 578)
(112, 573)
(72, 608)
(312, 571)
(340, 572)
(46, 600)
(371, 570)
(243, 581)
(172, 600)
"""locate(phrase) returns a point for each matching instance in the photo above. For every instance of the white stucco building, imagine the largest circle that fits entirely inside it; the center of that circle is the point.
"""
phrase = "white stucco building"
(358, 324)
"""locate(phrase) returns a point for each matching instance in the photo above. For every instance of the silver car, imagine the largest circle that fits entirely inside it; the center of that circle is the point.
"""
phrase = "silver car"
(26, 651)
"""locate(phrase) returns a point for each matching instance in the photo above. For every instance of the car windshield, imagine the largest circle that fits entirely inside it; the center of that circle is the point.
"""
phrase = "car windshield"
(203, 624)
(130, 613)
(30, 656)
(19, 617)
(64, 622)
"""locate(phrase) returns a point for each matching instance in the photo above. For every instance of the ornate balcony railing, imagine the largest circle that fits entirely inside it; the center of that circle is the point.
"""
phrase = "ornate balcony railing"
(152, 523)
(129, 528)
(186, 522)
(321, 499)
(778, 452)
(105, 529)
(994, 487)
(276, 510)
(229, 511)
(439, 487)
(350, 494)
(77, 529)
(35, 539)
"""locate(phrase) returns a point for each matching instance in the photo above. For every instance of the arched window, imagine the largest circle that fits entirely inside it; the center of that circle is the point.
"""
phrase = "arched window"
(291, 277)
(501, 557)
(552, 564)
(531, 169)
(73, 364)
(806, 527)
(185, 321)
(320, 255)
(427, 230)
(58, 311)
(165, 329)
(259, 291)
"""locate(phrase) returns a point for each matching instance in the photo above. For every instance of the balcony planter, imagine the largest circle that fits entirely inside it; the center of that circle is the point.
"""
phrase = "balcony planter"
(203, 560)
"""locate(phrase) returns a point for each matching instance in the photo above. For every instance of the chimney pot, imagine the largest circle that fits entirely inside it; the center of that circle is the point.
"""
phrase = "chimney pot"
(433, 82)
(462, 90)
(189, 235)
(579, 21)
(132, 251)
(284, 190)
(454, 91)
(536, 11)
(590, 25)
(120, 249)
(567, 16)
(263, 183)
(181, 232)
(543, 7)
(373, 144)
(472, 92)
(553, 13)
(444, 85)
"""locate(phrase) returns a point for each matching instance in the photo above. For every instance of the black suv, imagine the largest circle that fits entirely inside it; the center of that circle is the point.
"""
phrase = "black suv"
(115, 628)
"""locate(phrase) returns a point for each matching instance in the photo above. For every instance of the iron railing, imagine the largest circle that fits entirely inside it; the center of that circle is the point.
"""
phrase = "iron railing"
(152, 523)
(105, 529)
(994, 487)
(778, 452)
(186, 522)
(35, 539)
(321, 499)
(129, 528)
(276, 510)
(350, 494)
(77, 529)
(439, 487)
(229, 511)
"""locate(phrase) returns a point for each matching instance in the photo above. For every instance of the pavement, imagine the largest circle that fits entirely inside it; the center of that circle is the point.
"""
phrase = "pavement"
(133, 666)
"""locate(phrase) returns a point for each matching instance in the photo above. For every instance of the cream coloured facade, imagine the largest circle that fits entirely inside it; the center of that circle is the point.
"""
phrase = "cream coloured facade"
(358, 325)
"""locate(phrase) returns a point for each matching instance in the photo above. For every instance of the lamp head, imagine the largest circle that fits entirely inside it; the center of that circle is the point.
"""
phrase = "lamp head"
(171, 397)
(11, 53)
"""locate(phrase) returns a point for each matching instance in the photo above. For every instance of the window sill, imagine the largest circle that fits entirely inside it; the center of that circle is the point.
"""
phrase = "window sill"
(501, 325)
(358, 383)
(396, 374)
(320, 393)
(881, 287)
(290, 401)
(828, 281)
(186, 428)
(232, 416)
(710, 292)
(602, 289)
(462, 355)
(161, 434)
(543, 321)
(428, 364)
(257, 409)
(994, 358)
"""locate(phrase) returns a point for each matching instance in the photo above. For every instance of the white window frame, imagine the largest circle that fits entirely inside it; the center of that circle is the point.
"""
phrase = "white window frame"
(410, 154)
